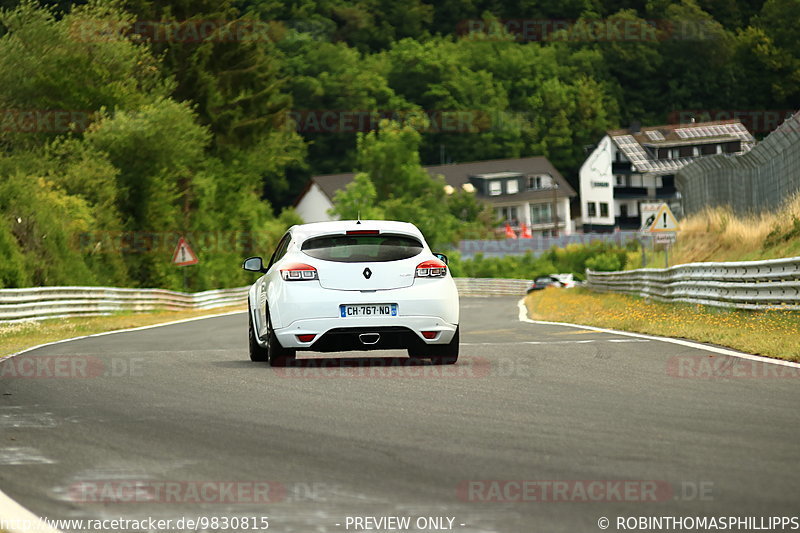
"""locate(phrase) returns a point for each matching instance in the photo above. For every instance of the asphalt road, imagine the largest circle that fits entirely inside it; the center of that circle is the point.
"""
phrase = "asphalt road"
(594, 423)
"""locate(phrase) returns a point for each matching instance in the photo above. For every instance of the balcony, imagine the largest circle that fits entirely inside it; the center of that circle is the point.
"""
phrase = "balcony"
(666, 192)
(627, 222)
(630, 192)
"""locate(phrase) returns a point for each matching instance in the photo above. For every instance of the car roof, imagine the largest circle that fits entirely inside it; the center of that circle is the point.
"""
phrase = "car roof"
(304, 231)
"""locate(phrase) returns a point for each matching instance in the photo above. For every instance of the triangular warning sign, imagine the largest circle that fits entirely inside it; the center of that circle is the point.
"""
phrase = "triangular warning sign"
(664, 221)
(183, 254)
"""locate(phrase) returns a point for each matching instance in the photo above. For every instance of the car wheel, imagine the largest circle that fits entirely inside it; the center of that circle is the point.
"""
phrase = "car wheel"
(277, 354)
(257, 353)
(441, 354)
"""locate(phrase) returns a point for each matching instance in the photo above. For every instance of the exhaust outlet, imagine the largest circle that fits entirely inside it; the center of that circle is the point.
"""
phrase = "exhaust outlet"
(369, 338)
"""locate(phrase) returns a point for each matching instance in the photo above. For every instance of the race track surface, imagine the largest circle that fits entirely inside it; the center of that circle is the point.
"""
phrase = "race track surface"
(595, 423)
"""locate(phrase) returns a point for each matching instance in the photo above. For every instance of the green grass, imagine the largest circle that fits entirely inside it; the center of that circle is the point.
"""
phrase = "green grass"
(21, 335)
(772, 333)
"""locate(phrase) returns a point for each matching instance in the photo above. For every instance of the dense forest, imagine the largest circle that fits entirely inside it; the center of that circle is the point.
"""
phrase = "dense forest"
(126, 124)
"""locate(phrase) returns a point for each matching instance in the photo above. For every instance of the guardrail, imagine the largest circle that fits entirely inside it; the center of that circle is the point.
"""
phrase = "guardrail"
(744, 285)
(60, 302)
(491, 286)
(39, 303)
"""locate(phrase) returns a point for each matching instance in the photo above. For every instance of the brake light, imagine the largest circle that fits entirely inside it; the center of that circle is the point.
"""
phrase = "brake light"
(299, 272)
(431, 269)
(363, 232)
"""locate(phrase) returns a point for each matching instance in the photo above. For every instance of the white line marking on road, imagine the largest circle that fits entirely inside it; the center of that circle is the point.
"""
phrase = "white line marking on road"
(523, 317)
(583, 341)
(16, 517)
(104, 333)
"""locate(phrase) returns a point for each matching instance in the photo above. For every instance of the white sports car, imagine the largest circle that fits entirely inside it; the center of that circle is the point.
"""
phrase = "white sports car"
(353, 285)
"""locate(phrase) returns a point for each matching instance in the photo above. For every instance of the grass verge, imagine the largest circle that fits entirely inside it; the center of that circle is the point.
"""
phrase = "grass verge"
(21, 335)
(772, 333)
(716, 234)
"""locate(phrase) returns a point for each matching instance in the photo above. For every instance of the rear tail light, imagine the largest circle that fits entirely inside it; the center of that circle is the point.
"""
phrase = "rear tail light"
(431, 269)
(299, 272)
(306, 338)
(429, 334)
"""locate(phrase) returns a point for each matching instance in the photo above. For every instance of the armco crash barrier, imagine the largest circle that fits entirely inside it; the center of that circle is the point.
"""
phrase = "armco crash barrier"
(38, 303)
(744, 285)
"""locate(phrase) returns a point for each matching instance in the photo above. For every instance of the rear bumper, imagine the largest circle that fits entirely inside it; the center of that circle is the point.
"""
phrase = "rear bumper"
(365, 333)
(298, 305)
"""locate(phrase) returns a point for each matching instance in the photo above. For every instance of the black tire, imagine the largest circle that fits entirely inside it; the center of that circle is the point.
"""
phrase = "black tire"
(439, 354)
(277, 354)
(257, 353)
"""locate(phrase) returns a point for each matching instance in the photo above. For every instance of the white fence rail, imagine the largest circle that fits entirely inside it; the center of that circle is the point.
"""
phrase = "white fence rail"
(744, 285)
(59, 302)
(492, 286)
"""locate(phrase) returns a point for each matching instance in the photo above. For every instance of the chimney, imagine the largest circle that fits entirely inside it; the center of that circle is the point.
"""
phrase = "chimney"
(636, 126)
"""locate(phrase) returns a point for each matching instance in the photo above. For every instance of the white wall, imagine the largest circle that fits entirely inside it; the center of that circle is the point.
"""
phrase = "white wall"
(596, 170)
(314, 205)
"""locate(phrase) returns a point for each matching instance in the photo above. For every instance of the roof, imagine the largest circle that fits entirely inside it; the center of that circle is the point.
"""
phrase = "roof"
(457, 174)
(635, 145)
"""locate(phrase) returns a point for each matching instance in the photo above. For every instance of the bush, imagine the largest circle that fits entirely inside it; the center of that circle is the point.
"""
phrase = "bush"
(606, 262)
(574, 259)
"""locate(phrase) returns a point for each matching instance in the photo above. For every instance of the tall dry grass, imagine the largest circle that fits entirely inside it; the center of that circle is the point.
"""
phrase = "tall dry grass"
(716, 234)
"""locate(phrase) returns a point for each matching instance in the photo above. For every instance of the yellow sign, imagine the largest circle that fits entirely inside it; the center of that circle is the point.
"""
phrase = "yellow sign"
(664, 221)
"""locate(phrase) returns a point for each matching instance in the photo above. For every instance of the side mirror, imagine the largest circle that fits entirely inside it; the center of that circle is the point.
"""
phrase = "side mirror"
(254, 264)
(441, 257)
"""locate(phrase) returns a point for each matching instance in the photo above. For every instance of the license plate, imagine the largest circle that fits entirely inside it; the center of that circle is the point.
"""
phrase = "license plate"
(347, 311)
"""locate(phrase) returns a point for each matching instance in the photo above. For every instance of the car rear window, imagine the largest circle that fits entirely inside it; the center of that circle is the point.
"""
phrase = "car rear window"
(362, 248)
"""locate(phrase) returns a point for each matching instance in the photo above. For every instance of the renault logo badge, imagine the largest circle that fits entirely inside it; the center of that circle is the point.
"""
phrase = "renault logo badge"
(367, 273)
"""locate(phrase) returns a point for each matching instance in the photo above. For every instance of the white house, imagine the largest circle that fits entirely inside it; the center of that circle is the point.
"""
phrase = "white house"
(527, 190)
(638, 165)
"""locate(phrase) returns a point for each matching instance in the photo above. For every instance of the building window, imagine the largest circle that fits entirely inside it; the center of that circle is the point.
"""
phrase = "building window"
(591, 209)
(536, 182)
(541, 214)
(719, 148)
(619, 180)
(508, 214)
(623, 210)
(603, 209)
(695, 151)
(512, 187)
(495, 188)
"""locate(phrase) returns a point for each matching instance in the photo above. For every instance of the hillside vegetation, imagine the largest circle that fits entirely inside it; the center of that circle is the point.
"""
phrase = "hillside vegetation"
(128, 123)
